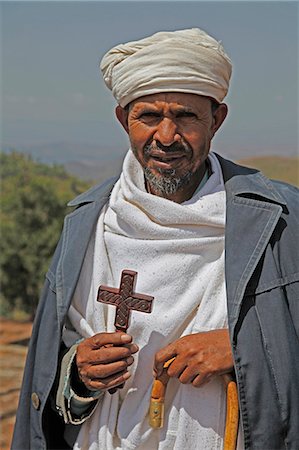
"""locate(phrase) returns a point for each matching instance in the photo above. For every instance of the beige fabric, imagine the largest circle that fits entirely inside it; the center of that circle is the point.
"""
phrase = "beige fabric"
(188, 61)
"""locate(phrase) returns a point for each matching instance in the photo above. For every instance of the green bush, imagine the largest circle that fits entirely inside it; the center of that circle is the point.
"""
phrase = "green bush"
(33, 205)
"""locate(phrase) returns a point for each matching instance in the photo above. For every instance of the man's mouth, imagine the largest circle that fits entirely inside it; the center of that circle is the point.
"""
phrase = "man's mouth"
(167, 157)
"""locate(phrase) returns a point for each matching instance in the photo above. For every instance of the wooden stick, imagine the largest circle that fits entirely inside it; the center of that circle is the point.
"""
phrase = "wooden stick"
(232, 413)
(156, 413)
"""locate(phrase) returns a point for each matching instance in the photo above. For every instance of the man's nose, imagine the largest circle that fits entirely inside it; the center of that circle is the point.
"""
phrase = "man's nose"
(166, 132)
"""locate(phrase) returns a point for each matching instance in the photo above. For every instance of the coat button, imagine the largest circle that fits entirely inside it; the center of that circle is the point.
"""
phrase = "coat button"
(35, 400)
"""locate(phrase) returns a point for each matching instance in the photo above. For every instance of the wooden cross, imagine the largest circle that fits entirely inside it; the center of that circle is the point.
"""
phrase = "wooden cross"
(125, 299)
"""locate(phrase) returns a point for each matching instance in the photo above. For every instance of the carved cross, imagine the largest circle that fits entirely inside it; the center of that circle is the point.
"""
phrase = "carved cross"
(125, 299)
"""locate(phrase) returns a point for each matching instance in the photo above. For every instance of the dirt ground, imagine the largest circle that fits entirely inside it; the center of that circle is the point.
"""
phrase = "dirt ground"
(14, 337)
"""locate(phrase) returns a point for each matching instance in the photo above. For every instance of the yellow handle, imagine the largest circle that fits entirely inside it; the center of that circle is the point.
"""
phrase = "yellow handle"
(156, 412)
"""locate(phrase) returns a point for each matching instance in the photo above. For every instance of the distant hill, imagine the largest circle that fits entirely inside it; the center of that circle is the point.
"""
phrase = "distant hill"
(64, 152)
(94, 171)
(279, 168)
(276, 167)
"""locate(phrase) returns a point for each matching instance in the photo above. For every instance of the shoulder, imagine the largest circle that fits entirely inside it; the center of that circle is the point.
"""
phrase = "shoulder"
(287, 191)
(246, 181)
(95, 193)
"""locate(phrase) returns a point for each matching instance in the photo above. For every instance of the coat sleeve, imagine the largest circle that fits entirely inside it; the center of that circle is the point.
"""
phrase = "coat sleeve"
(289, 254)
(74, 408)
(35, 418)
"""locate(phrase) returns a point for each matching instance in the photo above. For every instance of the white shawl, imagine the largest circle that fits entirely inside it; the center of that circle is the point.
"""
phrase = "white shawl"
(178, 252)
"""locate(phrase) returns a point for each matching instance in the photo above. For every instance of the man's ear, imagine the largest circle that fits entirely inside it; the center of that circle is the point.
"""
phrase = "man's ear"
(219, 116)
(122, 115)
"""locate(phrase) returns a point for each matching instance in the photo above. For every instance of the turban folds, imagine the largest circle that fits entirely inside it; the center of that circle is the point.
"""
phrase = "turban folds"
(187, 61)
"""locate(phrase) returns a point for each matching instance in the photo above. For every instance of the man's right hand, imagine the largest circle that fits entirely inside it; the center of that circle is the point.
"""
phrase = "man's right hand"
(103, 360)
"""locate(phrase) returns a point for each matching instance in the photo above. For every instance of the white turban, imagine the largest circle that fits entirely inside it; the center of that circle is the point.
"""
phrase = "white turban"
(188, 61)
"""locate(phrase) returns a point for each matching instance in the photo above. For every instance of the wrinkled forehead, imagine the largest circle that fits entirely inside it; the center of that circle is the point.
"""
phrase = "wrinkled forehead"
(179, 99)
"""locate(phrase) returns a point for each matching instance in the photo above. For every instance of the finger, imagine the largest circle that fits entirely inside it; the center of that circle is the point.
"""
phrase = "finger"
(130, 360)
(105, 370)
(201, 379)
(177, 367)
(162, 356)
(188, 375)
(109, 382)
(106, 355)
(133, 348)
(116, 338)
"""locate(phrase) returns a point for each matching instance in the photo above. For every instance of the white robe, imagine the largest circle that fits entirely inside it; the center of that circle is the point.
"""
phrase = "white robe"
(178, 252)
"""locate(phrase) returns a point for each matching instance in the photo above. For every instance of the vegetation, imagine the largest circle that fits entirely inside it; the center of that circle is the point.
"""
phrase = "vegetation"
(33, 205)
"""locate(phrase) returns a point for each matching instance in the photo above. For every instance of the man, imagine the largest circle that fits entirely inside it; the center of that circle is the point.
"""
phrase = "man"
(214, 244)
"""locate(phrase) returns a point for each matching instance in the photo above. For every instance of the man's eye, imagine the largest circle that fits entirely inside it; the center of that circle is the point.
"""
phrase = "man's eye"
(186, 114)
(149, 114)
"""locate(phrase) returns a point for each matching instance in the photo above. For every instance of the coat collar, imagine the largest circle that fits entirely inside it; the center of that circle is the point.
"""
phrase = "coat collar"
(243, 181)
(92, 195)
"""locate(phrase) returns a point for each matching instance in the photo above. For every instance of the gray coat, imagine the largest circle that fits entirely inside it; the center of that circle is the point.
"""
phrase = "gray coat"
(262, 278)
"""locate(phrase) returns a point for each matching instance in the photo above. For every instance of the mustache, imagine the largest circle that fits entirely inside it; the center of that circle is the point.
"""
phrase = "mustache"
(176, 147)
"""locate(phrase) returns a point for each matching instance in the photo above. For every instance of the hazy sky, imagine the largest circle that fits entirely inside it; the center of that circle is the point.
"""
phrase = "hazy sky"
(52, 90)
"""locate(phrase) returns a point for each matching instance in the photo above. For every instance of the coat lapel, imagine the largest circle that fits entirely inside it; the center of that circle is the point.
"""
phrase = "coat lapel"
(78, 228)
(252, 212)
(249, 227)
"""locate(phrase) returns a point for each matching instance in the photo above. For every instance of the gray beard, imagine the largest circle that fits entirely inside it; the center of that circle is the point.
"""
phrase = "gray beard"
(166, 185)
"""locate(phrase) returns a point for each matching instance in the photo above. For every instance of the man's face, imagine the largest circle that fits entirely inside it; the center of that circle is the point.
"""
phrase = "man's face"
(170, 135)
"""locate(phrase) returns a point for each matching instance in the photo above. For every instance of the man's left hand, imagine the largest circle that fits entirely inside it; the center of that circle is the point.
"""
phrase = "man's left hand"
(198, 357)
